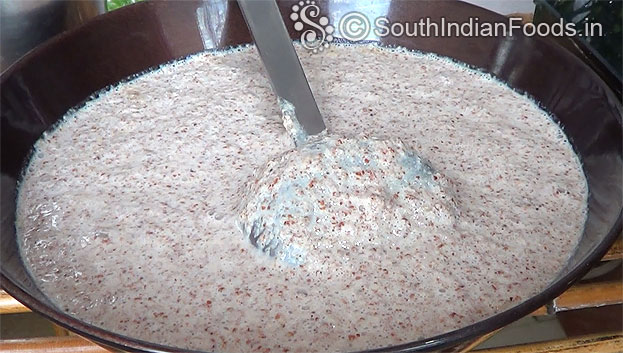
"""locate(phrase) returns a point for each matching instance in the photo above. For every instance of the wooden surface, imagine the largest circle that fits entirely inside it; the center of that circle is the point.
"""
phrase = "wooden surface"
(615, 252)
(8, 305)
(64, 344)
(540, 311)
(590, 295)
(605, 343)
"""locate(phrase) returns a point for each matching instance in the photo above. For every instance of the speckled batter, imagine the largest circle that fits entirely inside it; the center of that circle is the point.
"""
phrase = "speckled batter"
(334, 198)
(128, 211)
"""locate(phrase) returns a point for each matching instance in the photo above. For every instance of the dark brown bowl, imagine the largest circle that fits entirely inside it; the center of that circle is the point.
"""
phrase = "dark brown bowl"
(41, 87)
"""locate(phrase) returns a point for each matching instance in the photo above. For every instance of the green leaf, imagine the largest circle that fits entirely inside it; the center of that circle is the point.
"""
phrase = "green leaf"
(115, 4)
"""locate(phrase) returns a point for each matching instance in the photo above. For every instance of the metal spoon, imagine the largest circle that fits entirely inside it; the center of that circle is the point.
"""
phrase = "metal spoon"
(297, 103)
(281, 62)
(299, 109)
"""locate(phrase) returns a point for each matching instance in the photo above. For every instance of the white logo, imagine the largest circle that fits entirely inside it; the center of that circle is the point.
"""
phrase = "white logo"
(354, 26)
(320, 34)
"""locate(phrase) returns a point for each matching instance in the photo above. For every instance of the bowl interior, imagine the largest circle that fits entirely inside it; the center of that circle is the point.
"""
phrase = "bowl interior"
(40, 88)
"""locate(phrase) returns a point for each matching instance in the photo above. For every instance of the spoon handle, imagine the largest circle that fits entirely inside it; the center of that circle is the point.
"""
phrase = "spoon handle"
(281, 62)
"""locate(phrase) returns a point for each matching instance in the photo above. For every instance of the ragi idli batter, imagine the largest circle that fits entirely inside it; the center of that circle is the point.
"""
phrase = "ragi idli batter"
(328, 200)
(129, 211)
